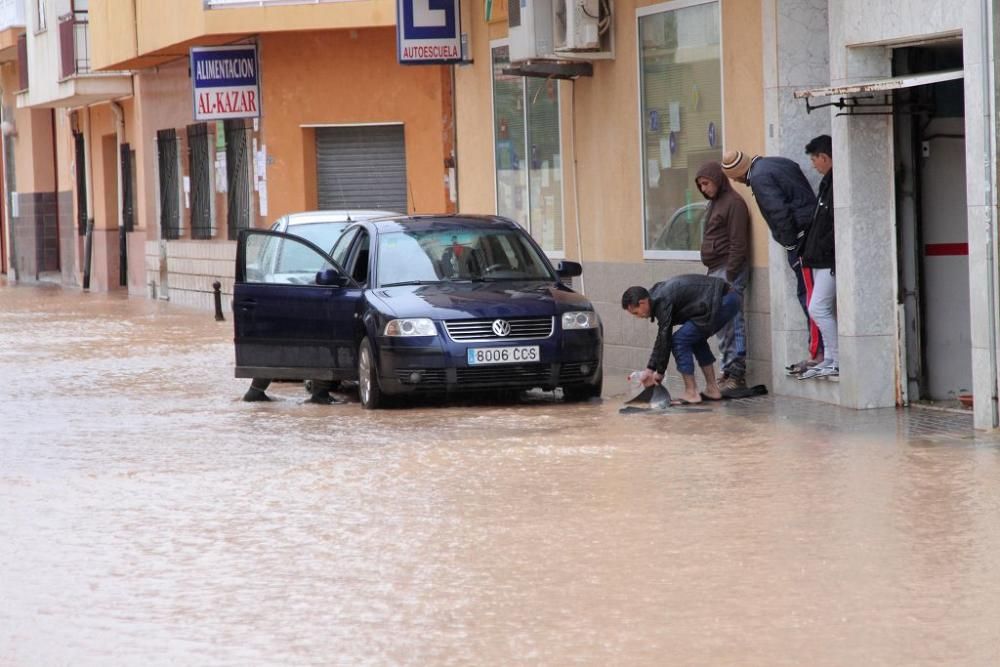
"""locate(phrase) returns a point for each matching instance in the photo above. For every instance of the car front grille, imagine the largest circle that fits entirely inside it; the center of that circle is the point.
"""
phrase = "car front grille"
(521, 328)
(521, 375)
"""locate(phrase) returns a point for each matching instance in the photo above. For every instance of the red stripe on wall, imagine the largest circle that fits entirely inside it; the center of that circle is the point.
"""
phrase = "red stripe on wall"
(945, 249)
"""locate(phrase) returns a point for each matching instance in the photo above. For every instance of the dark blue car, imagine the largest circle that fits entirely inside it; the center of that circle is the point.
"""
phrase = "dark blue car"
(414, 304)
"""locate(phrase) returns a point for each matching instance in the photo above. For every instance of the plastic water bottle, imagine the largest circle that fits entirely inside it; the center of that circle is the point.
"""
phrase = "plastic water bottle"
(635, 381)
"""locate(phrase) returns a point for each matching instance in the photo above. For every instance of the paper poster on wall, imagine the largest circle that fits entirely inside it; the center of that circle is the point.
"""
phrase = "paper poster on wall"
(262, 197)
(675, 116)
(653, 173)
(221, 183)
(665, 160)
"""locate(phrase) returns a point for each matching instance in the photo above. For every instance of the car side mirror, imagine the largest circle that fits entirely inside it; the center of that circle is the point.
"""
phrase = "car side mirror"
(568, 269)
(331, 277)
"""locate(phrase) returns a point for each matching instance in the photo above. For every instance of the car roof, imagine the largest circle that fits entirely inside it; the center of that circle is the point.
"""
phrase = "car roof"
(442, 222)
(336, 215)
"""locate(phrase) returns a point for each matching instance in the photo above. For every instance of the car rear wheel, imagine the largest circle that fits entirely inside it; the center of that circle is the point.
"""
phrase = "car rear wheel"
(368, 389)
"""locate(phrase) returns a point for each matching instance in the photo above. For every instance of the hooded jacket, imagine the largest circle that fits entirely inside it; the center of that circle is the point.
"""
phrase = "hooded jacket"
(685, 298)
(818, 251)
(784, 197)
(727, 225)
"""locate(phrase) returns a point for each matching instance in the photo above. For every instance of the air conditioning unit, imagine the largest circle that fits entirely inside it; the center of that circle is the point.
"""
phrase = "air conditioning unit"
(529, 33)
(575, 25)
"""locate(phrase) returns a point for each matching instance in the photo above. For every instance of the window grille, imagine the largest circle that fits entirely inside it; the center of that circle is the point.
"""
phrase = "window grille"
(200, 170)
(170, 219)
(237, 177)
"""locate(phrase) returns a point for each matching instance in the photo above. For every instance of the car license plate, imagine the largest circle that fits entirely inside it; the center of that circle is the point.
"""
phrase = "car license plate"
(518, 354)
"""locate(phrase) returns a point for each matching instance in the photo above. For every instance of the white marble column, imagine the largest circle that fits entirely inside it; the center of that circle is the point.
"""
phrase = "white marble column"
(796, 57)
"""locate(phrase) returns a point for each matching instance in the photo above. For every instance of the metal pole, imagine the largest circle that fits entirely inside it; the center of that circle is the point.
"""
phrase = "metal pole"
(217, 289)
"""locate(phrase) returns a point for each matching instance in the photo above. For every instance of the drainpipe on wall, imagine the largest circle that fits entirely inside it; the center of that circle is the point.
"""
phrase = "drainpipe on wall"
(122, 235)
(987, 9)
(8, 199)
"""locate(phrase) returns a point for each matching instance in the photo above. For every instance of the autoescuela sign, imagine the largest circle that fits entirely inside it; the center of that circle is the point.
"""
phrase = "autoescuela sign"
(225, 82)
(428, 32)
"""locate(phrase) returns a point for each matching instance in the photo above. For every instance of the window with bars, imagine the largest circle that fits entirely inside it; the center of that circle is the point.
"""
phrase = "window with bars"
(170, 215)
(200, 173)
(237, 177)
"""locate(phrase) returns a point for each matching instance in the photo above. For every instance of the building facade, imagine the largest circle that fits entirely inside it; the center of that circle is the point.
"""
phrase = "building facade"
(585, 122)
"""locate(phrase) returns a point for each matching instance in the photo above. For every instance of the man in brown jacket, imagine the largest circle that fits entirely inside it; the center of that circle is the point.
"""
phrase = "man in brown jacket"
(725, 251)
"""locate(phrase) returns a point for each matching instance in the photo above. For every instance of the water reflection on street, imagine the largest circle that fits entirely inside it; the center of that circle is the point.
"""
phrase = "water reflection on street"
(149, 516)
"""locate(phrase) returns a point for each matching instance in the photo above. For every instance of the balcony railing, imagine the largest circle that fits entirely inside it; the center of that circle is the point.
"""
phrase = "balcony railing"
(73, 46)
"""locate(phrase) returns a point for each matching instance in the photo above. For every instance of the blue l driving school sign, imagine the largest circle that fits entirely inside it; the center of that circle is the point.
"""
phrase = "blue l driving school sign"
(428, 32)
(225, 82)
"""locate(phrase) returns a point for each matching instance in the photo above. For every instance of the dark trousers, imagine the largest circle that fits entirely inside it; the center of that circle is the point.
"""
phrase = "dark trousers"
(690, 341)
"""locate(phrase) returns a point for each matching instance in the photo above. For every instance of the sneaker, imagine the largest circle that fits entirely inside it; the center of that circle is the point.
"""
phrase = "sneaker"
(829, 371)
(731, 383)
(819, 371)
(800, 367)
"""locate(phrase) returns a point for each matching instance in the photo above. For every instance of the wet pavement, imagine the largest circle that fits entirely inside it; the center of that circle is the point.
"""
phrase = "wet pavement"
(148, 516)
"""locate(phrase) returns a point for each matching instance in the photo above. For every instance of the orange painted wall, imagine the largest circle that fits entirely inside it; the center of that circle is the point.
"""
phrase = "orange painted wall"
(347, 77)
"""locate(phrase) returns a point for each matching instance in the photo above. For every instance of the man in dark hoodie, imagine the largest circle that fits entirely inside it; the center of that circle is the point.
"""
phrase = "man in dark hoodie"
(787, 202)
(699, 306)
(818, 254)
(725, 251)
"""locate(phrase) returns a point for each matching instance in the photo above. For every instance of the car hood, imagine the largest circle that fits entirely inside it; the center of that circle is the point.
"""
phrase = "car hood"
(478, 300)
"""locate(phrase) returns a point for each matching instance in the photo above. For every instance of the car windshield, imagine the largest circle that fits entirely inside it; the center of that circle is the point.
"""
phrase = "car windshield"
(433, 256)
(323, 234)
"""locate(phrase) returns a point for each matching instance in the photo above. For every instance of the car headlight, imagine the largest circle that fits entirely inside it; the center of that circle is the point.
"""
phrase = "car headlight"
(581, 319)
(414, 326)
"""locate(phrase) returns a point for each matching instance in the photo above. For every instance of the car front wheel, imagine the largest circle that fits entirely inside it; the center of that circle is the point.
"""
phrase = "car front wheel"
(585, 392)
(368, 389)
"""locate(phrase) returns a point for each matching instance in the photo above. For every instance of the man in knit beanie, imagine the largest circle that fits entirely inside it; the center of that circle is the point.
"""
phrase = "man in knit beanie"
(787, 202)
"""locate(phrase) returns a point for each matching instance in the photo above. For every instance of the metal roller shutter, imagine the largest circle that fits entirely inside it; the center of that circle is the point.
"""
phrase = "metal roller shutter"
(361, 167)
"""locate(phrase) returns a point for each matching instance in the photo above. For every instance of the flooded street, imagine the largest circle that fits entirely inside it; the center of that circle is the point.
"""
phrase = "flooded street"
(151, 517)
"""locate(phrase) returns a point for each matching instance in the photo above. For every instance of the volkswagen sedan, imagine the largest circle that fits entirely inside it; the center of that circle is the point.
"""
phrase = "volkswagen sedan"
(431, 304)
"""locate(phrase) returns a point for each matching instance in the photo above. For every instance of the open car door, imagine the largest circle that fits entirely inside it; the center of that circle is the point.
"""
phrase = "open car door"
(293, 310)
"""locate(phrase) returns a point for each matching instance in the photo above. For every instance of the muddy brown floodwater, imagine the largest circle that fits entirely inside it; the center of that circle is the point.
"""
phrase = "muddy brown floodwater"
(150, 517)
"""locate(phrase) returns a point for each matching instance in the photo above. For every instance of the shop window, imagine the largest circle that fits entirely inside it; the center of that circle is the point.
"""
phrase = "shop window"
(527, 152)
(680, 88)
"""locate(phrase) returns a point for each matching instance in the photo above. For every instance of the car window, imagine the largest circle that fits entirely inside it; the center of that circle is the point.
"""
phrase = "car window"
(458, 254)
(294, 262)
(343, 246)
(359, 272)
(684, 229)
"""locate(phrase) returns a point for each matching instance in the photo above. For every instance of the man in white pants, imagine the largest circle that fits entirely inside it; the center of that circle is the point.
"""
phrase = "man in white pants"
(818, 254)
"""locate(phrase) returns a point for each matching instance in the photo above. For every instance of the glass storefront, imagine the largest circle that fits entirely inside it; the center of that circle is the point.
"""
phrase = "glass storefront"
(527, 152)
(680, 84)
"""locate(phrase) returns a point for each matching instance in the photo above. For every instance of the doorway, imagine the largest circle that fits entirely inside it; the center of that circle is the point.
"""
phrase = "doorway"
(932, 230)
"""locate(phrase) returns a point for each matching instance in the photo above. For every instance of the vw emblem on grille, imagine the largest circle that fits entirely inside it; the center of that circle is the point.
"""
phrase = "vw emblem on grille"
(501, 327)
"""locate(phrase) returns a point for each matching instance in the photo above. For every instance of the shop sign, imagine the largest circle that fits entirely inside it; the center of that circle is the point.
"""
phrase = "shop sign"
(428, 32)
(225, 81)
